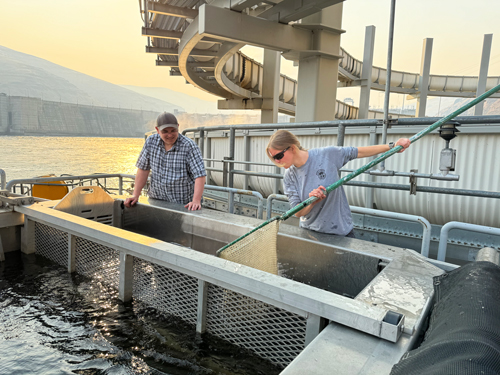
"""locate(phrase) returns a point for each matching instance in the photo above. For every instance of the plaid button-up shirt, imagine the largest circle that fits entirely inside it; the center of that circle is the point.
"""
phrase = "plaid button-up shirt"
(173, 171)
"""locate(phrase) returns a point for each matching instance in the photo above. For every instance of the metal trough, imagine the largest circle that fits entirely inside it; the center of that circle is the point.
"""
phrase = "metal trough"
(164, 255)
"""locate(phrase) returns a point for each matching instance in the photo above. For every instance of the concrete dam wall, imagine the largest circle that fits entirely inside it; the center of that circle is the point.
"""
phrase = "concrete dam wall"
(33, 116)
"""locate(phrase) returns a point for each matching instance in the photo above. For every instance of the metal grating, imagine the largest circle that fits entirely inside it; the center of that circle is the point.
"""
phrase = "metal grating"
(166, 290)
(51, 243)
(97, 261)
(270, 332)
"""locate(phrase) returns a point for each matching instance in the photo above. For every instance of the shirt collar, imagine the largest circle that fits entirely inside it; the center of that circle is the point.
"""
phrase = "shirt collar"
(178, 142)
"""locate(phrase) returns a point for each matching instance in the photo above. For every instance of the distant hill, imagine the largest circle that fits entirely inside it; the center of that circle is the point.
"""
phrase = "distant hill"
(190, 103)
(26, 75)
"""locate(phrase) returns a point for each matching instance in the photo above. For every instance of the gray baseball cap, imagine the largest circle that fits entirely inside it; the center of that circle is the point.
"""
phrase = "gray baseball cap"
(166, 120)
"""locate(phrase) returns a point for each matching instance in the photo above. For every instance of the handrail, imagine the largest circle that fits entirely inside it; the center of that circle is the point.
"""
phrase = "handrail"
(426, 225)
(445, 230)
(416, 121)
(232, 191)
(44, 180)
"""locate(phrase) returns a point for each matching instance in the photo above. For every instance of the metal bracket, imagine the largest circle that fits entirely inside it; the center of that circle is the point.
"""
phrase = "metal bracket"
(390, 122)
(9, 202)
(392, 326)
(317, 131)
(413, 182)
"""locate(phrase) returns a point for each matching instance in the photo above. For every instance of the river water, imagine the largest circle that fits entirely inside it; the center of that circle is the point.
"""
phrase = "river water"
(53, 322)
(27, 157)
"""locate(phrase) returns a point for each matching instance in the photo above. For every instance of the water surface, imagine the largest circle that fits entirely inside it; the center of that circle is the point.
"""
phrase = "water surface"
(53, 322)
(27, 157)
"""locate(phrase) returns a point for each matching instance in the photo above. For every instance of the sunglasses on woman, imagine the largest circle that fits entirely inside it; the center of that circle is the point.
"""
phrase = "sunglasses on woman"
(280, 155)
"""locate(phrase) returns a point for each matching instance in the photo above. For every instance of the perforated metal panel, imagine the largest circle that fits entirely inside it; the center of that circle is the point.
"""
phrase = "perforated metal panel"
(270, 332)
(51, 243)
(97, 261)
(166, 290)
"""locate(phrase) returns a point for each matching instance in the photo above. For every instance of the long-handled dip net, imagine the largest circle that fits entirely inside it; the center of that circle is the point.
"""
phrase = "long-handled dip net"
(258, 248)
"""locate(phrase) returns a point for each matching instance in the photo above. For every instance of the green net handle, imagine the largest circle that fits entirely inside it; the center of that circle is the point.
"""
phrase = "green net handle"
(389, 153)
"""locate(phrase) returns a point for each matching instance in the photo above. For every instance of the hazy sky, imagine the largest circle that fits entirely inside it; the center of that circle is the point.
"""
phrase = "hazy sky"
(102, 38)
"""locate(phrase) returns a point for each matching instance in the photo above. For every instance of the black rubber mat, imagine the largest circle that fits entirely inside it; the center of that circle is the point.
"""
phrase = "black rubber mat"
(463, 336)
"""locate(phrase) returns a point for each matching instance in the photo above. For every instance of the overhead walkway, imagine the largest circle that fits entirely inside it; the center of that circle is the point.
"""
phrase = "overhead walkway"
(189, 38)
(408, 83)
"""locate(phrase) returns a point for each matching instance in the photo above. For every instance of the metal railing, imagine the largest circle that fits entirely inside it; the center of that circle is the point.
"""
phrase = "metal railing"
(232, 192)
(426, 225)
(99, 179)
(445, 230)
(339, 127)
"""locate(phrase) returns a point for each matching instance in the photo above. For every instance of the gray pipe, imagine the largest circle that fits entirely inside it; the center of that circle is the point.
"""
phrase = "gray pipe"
(426, 225)
(417, 121)
(443, 238)
(232, 191)
(388, 79)
(269, 205)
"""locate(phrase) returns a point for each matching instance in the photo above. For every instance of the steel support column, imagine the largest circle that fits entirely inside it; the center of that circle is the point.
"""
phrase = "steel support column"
(317, 79)
(366, 72)
(270, 87)
(483, 73)
(423, 82)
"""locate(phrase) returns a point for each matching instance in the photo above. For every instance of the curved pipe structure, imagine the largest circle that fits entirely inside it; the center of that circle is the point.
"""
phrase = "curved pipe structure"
(407, 83)
(215, 65)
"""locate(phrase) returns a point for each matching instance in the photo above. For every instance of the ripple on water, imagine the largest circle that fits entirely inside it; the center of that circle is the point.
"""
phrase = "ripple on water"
(52, 322)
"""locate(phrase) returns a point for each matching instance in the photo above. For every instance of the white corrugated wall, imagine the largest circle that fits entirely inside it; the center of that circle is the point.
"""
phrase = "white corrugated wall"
(476, 156)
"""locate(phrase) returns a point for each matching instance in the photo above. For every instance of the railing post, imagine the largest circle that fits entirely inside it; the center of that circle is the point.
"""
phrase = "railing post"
(246, 142)
(208, 154)
(120, 185)
(202, 141)
(340, 134)
(71, 253)
(201, 321)
(313, 328)
(369, 193)
(232, 138)
(28, 236)
(126, 277)
(231, 202)
(225, 167)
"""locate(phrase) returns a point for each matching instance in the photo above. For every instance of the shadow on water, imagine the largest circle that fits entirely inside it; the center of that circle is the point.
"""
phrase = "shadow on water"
(53, 322)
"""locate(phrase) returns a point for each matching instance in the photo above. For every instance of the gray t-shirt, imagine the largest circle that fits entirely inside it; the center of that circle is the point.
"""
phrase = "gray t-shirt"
(332, 215)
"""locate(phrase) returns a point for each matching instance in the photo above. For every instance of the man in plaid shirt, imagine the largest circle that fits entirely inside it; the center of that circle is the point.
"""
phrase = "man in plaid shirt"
(177, 166)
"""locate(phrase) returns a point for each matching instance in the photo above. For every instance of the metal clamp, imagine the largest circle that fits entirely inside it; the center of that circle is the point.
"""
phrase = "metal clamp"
(413, 182)
(390, 121)
(9, 202)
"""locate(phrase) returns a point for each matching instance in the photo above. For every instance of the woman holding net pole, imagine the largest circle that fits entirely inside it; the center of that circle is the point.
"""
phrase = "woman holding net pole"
(307, 174)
